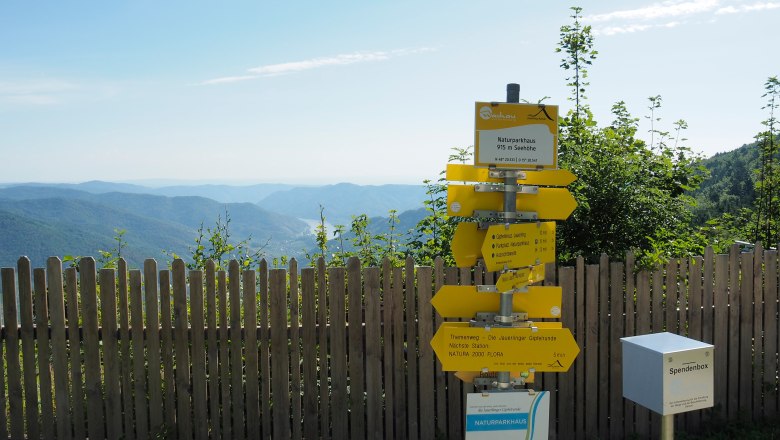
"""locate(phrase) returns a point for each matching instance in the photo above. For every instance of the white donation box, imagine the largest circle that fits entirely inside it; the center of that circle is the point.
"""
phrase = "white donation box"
(668, 373)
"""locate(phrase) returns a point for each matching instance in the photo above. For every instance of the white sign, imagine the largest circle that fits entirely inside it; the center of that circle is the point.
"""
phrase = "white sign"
(512, 414)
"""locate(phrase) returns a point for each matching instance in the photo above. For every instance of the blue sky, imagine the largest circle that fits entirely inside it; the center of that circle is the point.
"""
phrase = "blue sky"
(363, 92)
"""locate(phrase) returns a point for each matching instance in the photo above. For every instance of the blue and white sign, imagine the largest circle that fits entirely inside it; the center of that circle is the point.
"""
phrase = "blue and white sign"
(504, 415)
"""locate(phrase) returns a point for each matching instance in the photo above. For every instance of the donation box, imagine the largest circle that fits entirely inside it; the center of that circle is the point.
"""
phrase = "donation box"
(668, 373)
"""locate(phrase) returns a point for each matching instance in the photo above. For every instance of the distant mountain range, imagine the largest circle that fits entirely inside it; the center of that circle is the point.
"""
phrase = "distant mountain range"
(42, 220)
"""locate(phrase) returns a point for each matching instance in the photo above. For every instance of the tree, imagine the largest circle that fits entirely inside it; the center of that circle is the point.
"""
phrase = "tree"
(631, 195)
(767, 206)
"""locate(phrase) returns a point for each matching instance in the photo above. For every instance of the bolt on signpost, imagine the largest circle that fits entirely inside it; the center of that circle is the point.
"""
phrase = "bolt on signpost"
(514, 204)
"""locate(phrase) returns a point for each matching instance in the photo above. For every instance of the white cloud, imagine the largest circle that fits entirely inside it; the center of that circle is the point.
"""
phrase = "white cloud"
(35, 92)
(631, 28)
(747, 8)
(657, 10)
(316, 63)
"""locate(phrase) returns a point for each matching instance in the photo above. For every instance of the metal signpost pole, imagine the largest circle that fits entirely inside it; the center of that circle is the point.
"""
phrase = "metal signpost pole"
(503, 378)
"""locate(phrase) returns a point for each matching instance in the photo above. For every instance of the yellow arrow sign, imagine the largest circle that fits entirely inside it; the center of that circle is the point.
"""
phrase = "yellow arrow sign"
(466, 301)
(520, 244)
(519, 278)
(470, 173)
(548, 203)
(461, 347)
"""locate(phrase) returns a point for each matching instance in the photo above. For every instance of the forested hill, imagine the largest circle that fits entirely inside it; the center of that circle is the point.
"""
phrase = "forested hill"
(731, 185)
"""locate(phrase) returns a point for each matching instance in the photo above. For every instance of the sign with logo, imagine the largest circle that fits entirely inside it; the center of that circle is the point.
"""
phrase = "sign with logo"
(470, 173)
(547, 203)
(469, 376)
(466, 301)
(497, 416)
(516, 135)
(545, 348)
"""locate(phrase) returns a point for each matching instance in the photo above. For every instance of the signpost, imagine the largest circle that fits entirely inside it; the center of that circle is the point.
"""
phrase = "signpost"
(533, 203)
(504, 246)
(518, 186)
(514, 135)
(462, 347)
(467, 301)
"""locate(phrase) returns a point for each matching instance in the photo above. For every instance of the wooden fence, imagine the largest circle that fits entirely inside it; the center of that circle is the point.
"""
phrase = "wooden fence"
(344, 352)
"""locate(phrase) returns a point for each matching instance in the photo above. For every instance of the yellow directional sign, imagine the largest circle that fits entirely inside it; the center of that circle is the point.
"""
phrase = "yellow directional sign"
(469, 376)
(516, 245)
(516, 135)
(520, 244)
(467, 243)
(519, 278)
(548, 203)
(466, 301)
(471, 173)
(460, 347)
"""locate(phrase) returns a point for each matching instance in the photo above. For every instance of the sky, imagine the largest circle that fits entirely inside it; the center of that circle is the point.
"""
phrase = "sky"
(364, 92)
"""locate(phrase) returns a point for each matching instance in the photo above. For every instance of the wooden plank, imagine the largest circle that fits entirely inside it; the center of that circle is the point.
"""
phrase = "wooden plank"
(111, 354)
(759, 350)
(309, 352)
(708, 287)
(770, 333)
(580, 334)
(198, 357)
(3, 399)
(71, 288)
(694, 322)
(28, 348)
(733, 340)
(323, 354)
(224, 355)
(92, 376)
(44, 351)
(413, 388)
(156, 409)
(212, 360)
(338, 352)
(566, 392)
(265, 366)
(682, 298)
(357, 404)
(720, 331)
(629, 407)
(550, 380)
(280, 361)
(427, 361)
(252, 366)
(59, 350)
(441, 378)
(295, 352)
(399, 363)
(670, 302)
(745, 376)
(181, 349)
(643, 319)
(387, 340)
(236, 356)
(125, 363)
(141, 421)
(373, 356)
(603, 347)
(13, 369)
(616, 331)
(166, 346)
(454, 391)
(591, 350)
